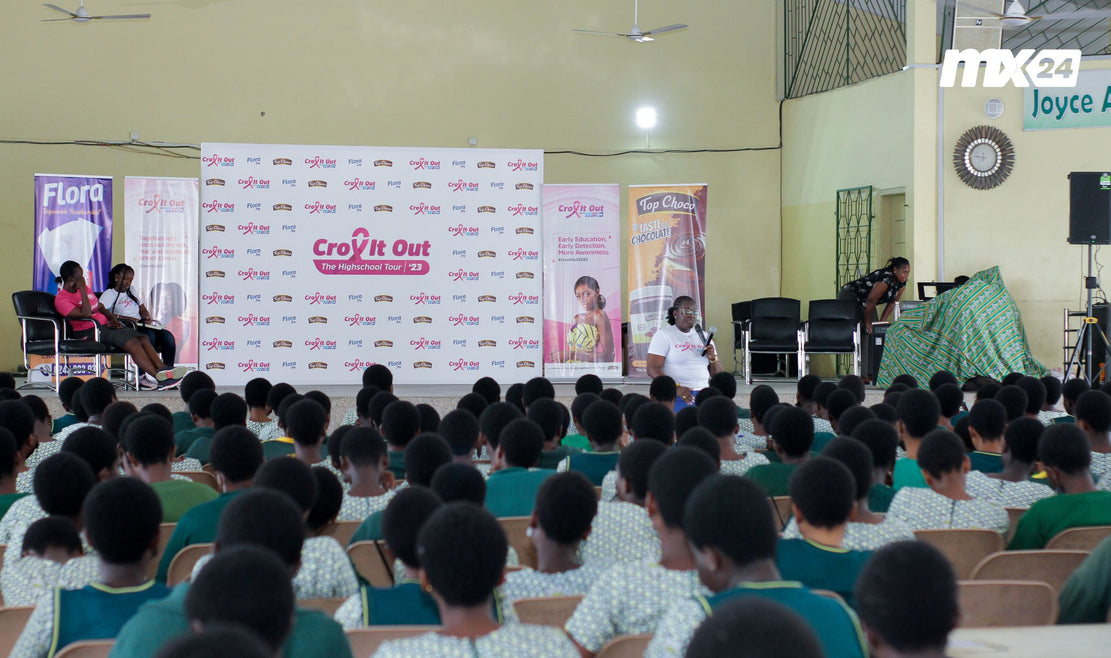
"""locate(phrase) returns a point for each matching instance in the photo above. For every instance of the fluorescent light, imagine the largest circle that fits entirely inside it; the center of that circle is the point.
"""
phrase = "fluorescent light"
(646, 118)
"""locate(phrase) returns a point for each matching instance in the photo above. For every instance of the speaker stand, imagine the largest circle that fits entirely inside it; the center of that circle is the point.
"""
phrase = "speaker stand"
(1082, 356)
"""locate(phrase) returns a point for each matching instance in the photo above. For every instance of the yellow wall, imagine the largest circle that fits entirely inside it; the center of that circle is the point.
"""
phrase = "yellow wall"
(412, 73)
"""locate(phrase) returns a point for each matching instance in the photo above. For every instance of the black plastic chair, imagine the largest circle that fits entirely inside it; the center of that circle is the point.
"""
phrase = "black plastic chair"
(773, 328)
(44, 333)
(832, 328)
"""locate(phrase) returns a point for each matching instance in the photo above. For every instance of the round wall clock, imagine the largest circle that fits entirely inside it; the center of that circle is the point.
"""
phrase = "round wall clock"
(983, 157)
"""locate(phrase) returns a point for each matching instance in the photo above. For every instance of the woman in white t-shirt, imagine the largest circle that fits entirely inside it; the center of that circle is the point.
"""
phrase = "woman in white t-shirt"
(676, 351)
(124, 304)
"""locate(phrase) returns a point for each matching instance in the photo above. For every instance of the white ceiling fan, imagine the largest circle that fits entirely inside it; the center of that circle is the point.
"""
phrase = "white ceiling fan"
(636, 34)
(81, 15)
(1015, 16)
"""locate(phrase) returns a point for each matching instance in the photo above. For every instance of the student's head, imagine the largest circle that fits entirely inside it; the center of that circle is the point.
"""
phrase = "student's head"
(261, 599)
(282, 410)
(200, 404)
(121, 518)
(654, 421)
(67, 389)
(896, 388)
(9, 455)
(52, 538)
(613, 395)
(881, 439)
(988, 391)
(291, 477)
(400, 423)
(701, 439)
(429, 418)
(41, 413)
(514, 395)
(602, 423)
(96, 394)
(852, 417)
(156, 409)
(193, 382)
(403, 518)
(686, 419)
(588, 383)
(1093, 411)
(793, 431)
(1052, 390)
(663, 389)
(423, 455)
(461, 482)
(334, 444)
(459, 428)
(855, 384)
(892, 398)
(77, 409)
(1013, 400)
(989, 419)
(474, 403)
(17, 418)
(941, 454)
(378, 375)
(363, 447)
(885, 412)
(762, 398)
(1070, 392)
(960, 428)
(256, 391)
(305, 422)
(855, 456)
(729, 525)
(724, 382)
(61, 483)
(265, 518)
(765, 628)
(217, 641)
(148, 440)
(719, 416)
(488, 388)
(949, 399)
(328, 500)
(278, 393)
(823, 493)
(114, 415)
(1063, 449)
(228, 409)
(671, 480)
(1020, 441)
(462, 550)
(536, 388)
(494, 418)
(906, 597)
(804, 394)
(821, 393)
(548, 414)
(839, 402)
(97, 448)
(362, 401)
(565, 507)
(918, 412)
(629, 405)
(377, 406)
(580, 403)
(235, 454)
(321, 398)
(633, 465)
(942, 377)
(908, 380)
(521, 442)
(1035, 394)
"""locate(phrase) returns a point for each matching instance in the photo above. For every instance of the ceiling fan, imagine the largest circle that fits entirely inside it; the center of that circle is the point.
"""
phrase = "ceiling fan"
(1015, 16)
(81, 15)
(636, 34)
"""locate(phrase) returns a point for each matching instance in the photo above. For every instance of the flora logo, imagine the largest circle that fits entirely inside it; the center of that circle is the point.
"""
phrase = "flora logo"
(217, 206)
(360, 185)
(215, 160)
(460, 230)
(426, 165)
(1044, 68)
(320, 298)
(424, 298)
(321, 163)
(359, 320)
(521, 165)
(423, 343)
(252, 228)
(320, 344)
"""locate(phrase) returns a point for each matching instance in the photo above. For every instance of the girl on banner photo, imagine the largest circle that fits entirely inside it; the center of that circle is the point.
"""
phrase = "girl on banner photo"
(172, 312)
(677, 351)
(590, 339)
(122, 302)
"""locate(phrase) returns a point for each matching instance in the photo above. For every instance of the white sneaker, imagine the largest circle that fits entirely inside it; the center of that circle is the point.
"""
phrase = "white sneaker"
(147, 383)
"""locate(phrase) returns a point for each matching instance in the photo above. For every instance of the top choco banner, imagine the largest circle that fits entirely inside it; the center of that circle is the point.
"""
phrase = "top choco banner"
(667, 259)
(318, 261)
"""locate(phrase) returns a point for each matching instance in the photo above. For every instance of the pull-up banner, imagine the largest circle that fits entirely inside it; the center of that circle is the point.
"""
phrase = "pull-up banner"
(667, 252)
(73, 221)
(318, 261)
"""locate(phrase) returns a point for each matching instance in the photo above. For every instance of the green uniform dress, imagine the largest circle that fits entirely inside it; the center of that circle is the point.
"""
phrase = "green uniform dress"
(773, 477)
(200, 448)
(550, 458)
(179, 496)
(512, 491)
(97, 612)
(1087, 594)
(908, 474)
(577, 441)
(1049, 516)
(183, 420)
(397, 463)
(986, 462)
(197, 526)
(820, 567)
(282, 447)
(369, 530)
(594, 465)
(7, 500)
(879, 498)
(184, 440)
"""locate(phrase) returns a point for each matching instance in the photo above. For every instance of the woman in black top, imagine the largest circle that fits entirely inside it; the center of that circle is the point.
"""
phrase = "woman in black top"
(883, 286)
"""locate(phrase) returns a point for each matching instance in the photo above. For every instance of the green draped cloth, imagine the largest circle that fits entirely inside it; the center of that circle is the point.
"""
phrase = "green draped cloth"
(971, 330)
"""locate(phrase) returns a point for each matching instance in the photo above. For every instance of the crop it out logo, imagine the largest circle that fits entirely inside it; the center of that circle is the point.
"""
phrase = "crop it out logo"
(320, 298)
(359, 320)
(215, 160)
(358, 365)
(320, 344)
(319, 162)
(425, 298)
(521, 165)
(255, 366)
(426, 165)
(356, 184)
(1043, 68)
(459, 230)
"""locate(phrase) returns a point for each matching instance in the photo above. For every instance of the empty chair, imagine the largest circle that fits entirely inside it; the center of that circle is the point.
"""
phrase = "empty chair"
(985, 603)
(165, 530)
(373, 561)
(365, 641)
(1048, 566)
(965, 547)
(516, 528)
(87, 649)
(547, 610)
(181, 567)
(342, 531)
(626, 646)
(833, 327)
(1080, 539)
(773, 328)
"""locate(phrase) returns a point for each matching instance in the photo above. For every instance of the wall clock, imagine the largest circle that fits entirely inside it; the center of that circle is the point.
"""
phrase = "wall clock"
(983, 157)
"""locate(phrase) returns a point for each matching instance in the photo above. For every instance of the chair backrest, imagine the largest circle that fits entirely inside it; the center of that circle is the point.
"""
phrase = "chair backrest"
(965, 547)
(626, 646)
(165, 530)
(546, 611)
(1080, 539)
(36, 303)
(741, 311)
(516, 528)
(327, 606)
(832, 322)
(342, 531)
(938, 286)
(365, 641)
(1013, 515)
(986, 603)
(181, 566)
(774, 319)
(87, 649)
(12, 621)
(1048, 566)
(781, 509)
(373, 561)
(202, 477)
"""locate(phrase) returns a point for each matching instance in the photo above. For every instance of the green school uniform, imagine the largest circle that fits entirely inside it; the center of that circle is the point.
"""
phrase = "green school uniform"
(772, 477)
(908, 474)
(550, 458)
(512, 491)
(820, 567)
(59, 424)
(200, 449)
(1087, 594)
(185, 440)
(1063, 419)
(1049, 516)
(879, 498)
(577, 441)
(986, 462)
(97, 612)
(820, 440)
(282, 447)
(197, 526)
(407, 604)
(183, 420)
(397, 463)
(179, 496)
(7, 500)
(369, 530)
(594, 465)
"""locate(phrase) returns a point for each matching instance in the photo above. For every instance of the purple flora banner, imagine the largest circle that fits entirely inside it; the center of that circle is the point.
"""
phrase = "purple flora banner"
(73, 221)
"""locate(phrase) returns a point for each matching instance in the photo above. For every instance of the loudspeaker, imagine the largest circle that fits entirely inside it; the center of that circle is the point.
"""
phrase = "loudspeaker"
(1097, 359)
(1090, 207)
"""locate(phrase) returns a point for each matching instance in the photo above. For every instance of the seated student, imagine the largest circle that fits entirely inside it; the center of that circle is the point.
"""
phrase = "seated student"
(321, 398)
(1035, 395)
(325, 509)
(633, 597)
(489, 388)
(1070, 393)
(629, 406)
(424, 455)
(918, 413)
(882, 440)
(1093, 415)
(66, 390)
(548, 414)
(262, 518)
(1013, 400)
(663, 390)
(1013, 487)
(822, 501)
(1050, 410)
(10, 462)
(950, 400)
(900, 624)
(986, 422)
(821, 397)
(282, 444)
(474, 403)
(732, 534)
(754, 430)
(255, 393)
(148, 445)
(1063, 452)
(305, 423)
(121, 521)
(945, 502)
(462, 551)
(236, 456)
(767, 628)
(48, 544)
(429, 417)
(576, 435)
(804, 393)
(200, 412)
(603, 425)
(459, 427)
(719, 416)
(652, 421)
(278, 393)
(1086, 596)
(514, 480)
(221, 641)
(848, 420)
(792, 436)
(622, 531)
(363, 462)
(565, 507)
(360, 415)
(227, 410)
(94, 397)
(400, 422)
(190, 384)
(837, 403)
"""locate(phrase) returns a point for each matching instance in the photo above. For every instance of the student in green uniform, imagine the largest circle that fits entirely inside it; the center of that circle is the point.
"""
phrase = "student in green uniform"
(1013, 400)
(1063, 451)
(236, 456)
(148, 445)
(267, 519)
(907, 600)
(494, 417)
(837, 403)
(762, 398)
(400, 422)
(514, 480)
(576, 437)
(278, 393)
(227, 410)
(602, 422)
(9, 466)
(121, 522)
(99, 450)
(1093, 415)
(1086, 597)
(549, 415)
(732, 533)
(882, 441)
(474, 403)
(66, 390)
(950, 399)
(1035, 395)
(306, 423)
(18, 419)
(986, 422)
(200, 413)
(190, 384)
(663, 390)
(918, 413)
(459, 428)
(804, 393)
(792, 437)
(822, 499)
(1070, 393)
(281, 445)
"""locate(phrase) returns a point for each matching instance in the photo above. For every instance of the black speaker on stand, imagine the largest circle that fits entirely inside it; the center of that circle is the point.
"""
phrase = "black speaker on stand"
(1090, 224)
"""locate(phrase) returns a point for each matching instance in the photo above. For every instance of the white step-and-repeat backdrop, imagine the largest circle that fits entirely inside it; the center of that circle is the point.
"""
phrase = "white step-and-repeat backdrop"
(317, 261)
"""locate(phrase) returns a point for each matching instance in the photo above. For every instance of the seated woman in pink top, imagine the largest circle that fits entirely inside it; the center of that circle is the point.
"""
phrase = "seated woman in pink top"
(77, 304)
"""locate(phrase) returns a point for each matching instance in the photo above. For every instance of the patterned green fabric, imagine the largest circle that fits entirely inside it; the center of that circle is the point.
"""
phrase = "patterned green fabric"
(971, 330)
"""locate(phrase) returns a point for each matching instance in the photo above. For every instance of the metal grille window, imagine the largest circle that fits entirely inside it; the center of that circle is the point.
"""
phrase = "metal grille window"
(854, 235)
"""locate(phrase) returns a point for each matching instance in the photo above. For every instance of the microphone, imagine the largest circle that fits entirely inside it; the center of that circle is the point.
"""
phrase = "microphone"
(706, 340)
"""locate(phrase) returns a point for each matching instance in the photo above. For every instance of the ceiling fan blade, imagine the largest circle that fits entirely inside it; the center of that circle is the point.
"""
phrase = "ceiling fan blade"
(123, 16)
(1074, 15)
(609, 34)
(57, 8)
(54, 20)
(668, 28)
